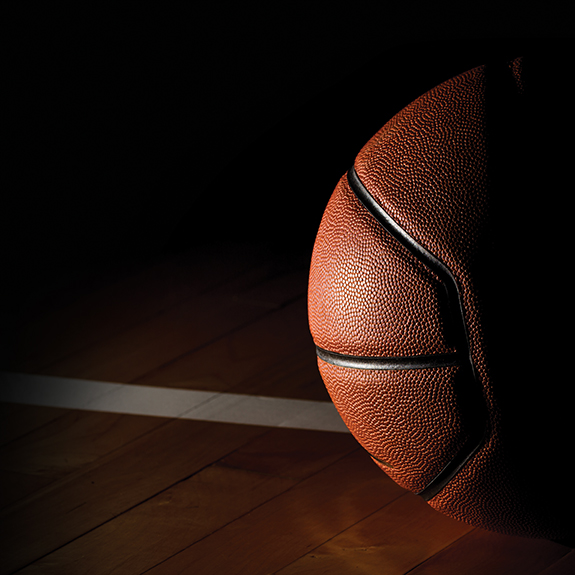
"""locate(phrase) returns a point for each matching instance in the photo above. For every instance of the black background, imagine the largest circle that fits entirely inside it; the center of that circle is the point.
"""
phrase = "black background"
(137, 131)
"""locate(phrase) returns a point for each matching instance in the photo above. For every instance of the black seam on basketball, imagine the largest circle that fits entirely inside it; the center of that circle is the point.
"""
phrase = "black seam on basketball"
(471, 446)
(389, 363)
(479, 420)
(387, 464)
(424, 256)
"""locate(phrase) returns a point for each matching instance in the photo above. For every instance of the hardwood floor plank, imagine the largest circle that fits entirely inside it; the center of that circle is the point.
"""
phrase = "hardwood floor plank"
(285, 528)
(78, 316)
(565, 565)
(191, 324)
(64, 445)
(82, 501)
(393, 541)
(162, 526)
(244, 352)
(193, 509)
(482, 552)
(292, 453)
(17, 420)
(273, 356)
(15, 486)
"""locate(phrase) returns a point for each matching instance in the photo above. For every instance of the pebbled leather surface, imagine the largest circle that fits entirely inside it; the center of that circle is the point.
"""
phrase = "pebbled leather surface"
(452, 169)
(422, 427)
(366, 291)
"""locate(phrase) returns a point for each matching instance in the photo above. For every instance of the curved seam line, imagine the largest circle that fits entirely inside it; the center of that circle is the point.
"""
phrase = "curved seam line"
(446, 277)
(389, 363)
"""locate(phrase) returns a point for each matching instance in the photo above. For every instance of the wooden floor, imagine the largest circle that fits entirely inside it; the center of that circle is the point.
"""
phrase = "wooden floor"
(101, 493)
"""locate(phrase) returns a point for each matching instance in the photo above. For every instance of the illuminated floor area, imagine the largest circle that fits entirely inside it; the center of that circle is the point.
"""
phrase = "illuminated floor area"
(150, 451)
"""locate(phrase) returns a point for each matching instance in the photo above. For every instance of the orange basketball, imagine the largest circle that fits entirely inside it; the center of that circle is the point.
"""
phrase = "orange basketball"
(436, 295)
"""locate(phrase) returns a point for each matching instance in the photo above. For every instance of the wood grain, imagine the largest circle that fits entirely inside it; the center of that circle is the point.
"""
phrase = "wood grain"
(273, 356)
(198, 506)
(17, 420)
(280, 531)
(133, 352)
(80, 316)
(106, 493)
(393, 541)
(482, 552)
(80, 502)
(91, 310)
(63, 445)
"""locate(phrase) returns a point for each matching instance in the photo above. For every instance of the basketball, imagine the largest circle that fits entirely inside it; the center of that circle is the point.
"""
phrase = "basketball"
(438, 298)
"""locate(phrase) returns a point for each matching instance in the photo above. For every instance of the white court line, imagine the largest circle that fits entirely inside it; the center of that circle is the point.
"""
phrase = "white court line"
(50, 391)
